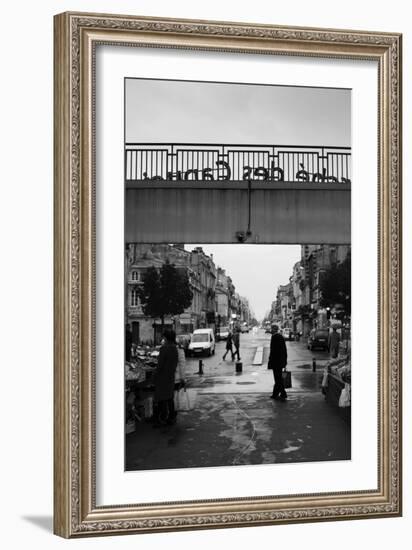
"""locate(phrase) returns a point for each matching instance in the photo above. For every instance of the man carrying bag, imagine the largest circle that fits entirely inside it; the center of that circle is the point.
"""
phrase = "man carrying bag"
(278, 359)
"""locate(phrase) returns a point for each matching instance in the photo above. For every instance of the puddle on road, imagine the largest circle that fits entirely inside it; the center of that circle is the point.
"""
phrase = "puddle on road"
(245, 383)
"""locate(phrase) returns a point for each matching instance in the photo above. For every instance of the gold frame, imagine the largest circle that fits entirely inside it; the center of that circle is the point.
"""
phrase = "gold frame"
(75, 510)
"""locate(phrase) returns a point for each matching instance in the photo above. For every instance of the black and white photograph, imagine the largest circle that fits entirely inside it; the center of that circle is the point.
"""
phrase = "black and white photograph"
(237, 274)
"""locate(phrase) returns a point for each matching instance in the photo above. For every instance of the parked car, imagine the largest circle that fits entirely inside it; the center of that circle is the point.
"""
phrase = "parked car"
(244, 328)
(318, 338)
(202, 341)
(287, 334)
(223, 333)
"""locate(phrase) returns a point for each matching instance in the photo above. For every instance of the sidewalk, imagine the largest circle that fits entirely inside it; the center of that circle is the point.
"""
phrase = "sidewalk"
(234, 421)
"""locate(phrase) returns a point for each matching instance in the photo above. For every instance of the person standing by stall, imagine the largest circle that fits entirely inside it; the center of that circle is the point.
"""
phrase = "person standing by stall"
(164, 380)
(278, 359)
(180, 381)
(180, 374)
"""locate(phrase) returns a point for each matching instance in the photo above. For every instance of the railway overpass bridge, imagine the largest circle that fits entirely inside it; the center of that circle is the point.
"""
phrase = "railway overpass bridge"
(208, 193)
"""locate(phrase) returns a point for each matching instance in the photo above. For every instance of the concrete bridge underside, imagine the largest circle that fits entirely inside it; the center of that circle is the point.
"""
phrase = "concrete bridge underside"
(213, 212)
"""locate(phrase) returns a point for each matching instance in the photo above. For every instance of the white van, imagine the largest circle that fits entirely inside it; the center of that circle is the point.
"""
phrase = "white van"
(202, 341)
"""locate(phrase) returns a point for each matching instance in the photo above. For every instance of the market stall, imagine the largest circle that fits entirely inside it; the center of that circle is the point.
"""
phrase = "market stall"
(336, 385)
(139, 387)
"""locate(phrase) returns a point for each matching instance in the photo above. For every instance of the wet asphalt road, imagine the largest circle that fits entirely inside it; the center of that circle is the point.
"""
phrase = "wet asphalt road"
(233, 421)
(299, 361)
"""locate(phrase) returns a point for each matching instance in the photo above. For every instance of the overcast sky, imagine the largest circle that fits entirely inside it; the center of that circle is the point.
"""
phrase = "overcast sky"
(204, 112)
(181, 111)
(256, 269)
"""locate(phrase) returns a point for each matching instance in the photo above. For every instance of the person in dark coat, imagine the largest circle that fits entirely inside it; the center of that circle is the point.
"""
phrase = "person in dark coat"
(278, 359)
(164, 380)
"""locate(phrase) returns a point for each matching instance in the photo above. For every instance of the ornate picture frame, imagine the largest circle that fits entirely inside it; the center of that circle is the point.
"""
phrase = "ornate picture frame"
(76, 37)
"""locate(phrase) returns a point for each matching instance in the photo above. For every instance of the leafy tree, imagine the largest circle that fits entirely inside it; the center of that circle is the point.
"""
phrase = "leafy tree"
(165, 292)
(335, 285)
(150, 294)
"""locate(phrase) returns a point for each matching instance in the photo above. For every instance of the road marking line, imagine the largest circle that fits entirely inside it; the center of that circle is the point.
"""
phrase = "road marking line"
(258, 356)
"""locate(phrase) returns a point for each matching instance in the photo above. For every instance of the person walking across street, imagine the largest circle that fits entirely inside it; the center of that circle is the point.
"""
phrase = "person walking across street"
(164, 380)
(334, 340)
(229, 346)
(236, 341)
(278, 359)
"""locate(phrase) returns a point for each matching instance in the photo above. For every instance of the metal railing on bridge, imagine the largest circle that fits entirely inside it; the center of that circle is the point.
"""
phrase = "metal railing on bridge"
(231, 162)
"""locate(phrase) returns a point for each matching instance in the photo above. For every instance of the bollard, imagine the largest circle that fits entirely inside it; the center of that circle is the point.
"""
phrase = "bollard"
(314, 365)
(239, 366)
(200, 371)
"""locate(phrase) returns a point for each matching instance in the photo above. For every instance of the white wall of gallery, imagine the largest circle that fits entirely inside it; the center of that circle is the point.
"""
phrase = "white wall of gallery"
(26, 130)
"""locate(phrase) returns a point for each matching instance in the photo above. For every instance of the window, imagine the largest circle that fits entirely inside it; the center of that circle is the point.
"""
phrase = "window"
(134, 298)
(200, 338)
(135, 275)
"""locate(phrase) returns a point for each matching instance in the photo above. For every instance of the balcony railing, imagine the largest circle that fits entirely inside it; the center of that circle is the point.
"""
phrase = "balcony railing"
(211, 162)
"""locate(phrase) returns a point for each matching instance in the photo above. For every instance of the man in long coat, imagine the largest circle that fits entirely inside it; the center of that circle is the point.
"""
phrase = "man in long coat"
(278, 359)
(164, 379)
